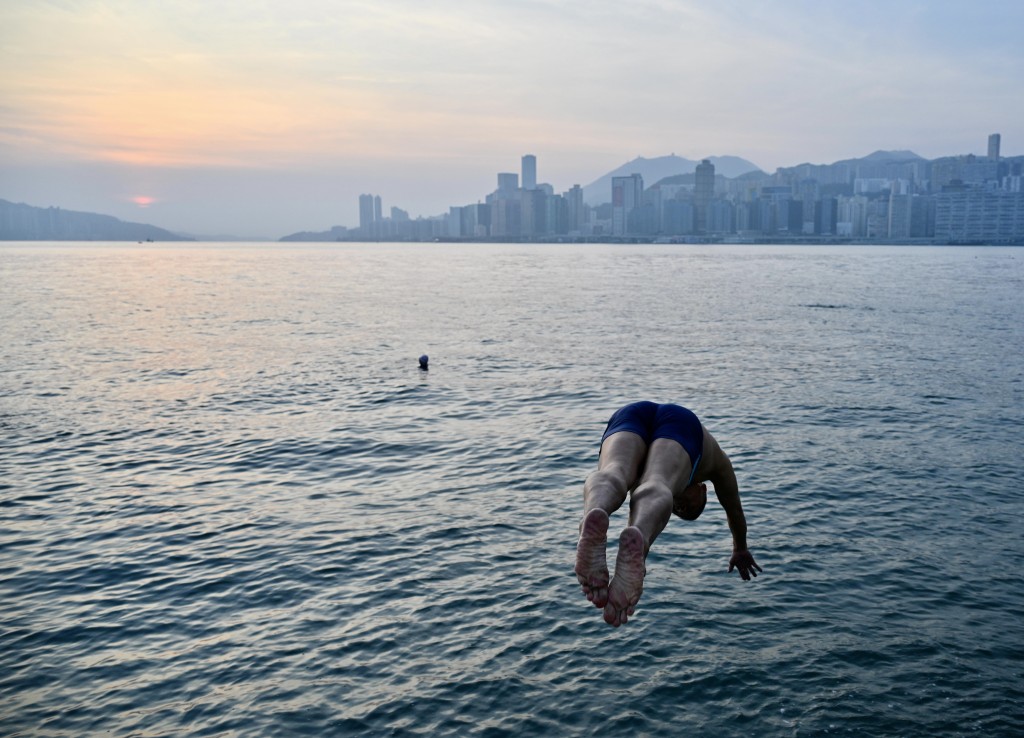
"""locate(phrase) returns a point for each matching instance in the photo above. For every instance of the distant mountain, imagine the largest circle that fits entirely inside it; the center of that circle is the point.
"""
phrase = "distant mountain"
(337, 233)
(686, 179)
(653, 170)
(881, 164)
(878, 157)
(20, 222)
(885, 156)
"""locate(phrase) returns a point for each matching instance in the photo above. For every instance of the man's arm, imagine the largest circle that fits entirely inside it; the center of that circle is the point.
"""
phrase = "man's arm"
(722, 476)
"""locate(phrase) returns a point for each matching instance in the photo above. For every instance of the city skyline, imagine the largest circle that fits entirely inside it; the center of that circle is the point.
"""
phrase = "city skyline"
(680, 199)
(265, 120)
(887, 196)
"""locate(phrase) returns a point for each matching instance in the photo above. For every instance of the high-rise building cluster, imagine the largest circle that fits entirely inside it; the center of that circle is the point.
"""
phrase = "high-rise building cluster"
(518, 208)
(959, 199)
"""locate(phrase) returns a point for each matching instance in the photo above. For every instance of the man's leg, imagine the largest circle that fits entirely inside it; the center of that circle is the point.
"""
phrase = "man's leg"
(667, 468)
(603, 493)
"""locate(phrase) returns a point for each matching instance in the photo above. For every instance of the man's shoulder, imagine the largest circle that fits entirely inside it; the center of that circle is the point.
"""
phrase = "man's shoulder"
(714, 460)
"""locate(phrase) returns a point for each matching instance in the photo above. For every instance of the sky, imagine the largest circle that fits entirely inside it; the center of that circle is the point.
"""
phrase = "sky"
(261, 118)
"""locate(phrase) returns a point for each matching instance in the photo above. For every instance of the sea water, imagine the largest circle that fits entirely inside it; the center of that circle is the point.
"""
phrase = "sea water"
(232, 504)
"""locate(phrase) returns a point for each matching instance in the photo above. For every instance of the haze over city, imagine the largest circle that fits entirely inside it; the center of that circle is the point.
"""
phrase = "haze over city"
(262, 119)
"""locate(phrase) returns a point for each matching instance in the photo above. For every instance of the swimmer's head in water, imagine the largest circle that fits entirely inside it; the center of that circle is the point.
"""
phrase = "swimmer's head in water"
(689, 503)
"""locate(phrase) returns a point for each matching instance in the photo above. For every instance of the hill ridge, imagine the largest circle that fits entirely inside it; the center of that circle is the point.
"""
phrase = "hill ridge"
(22, 222)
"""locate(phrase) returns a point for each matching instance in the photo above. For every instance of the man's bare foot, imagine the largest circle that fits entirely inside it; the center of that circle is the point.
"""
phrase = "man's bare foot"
(628, 583)
(591, 565)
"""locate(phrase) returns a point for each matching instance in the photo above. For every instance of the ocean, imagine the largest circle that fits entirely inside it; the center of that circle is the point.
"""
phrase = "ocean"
(232, 504)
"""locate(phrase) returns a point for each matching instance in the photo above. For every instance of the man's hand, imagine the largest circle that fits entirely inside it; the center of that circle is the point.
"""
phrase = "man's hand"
(744, 561)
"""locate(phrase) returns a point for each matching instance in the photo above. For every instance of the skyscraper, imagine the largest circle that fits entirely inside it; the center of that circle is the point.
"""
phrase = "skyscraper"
(703, 191)
(532, 213)
(529, 172)
(366, 214)
(899, 214)
(508, 182)
(577, 214)
(627, 195)
(993, 146)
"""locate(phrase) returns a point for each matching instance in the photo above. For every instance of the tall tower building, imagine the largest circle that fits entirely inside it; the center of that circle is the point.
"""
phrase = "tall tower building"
(627, 195)
(703, 191)
(533, 213)
(508, 182)
(577, 214)
(529, 172)
(993, 146)
(899, 214)
(377, 216)
(366, 214)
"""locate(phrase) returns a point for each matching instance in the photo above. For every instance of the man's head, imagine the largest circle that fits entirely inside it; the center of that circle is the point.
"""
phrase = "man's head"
(689, 503)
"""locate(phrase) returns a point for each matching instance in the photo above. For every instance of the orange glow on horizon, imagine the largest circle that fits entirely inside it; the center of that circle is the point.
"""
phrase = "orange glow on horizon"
(143, 201)
(209, 127)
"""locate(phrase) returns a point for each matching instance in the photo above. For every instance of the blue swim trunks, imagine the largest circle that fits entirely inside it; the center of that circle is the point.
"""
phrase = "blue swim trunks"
(649, 420)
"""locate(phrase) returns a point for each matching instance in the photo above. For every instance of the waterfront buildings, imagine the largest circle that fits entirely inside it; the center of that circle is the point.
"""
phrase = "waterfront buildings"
(889, 196)
(979, 216)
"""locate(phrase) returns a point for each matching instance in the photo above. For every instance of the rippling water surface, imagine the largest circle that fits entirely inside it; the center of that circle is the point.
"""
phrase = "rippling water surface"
(231, 504)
